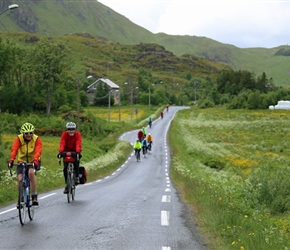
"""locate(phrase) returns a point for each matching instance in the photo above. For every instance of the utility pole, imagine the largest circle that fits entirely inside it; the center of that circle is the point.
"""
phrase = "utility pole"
(109, 104)
(78, 102)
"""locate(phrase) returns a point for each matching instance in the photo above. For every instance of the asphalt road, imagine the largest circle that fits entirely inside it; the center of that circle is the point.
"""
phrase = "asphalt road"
(136, 207)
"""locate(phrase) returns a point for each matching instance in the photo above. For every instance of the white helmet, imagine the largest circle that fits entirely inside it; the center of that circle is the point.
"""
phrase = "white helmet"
(71, 125)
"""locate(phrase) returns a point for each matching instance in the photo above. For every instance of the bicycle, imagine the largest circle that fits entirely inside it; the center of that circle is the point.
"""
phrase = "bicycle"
(71, 176)
(149, 146)
(137, 155)
(144, 149)
(150, 124)
(24, 203)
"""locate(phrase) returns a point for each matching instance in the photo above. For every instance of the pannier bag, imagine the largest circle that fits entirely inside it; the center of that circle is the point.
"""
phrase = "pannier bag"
(82, 175)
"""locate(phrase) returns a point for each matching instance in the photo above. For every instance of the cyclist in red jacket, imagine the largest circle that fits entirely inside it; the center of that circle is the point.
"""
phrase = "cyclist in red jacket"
(71, 141)
(140, 135)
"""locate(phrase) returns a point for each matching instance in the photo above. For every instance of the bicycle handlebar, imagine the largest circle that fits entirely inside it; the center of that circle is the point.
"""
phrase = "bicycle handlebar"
(23, 164)
(72, 154)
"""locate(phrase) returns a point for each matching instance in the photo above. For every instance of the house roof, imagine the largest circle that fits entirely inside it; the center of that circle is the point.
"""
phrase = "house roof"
(111, 84)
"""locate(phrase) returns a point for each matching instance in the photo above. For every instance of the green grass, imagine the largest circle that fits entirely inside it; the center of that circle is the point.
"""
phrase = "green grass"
(100, 157)
(232, 167)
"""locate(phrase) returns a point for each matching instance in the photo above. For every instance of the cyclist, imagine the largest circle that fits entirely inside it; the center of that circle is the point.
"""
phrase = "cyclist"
(167, 108)
(28, 146)
(161, 114)
(150, 122)
(144, 146)
(144, 132)
(140, 135)
(137, 146)
(150, 141)
(71, 141)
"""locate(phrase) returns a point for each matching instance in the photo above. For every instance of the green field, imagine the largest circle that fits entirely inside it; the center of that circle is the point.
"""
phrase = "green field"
(230, 166)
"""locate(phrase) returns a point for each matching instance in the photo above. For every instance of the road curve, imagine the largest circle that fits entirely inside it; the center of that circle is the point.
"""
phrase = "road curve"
(136, 207)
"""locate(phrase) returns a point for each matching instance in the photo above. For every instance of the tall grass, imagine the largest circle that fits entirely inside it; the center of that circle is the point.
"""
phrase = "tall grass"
(233, 167)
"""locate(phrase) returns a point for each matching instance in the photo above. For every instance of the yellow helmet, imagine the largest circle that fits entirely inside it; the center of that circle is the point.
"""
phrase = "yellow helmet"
(27, 127)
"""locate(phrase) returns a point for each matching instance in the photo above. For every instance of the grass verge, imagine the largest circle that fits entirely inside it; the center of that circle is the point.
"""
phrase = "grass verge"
(231, 166)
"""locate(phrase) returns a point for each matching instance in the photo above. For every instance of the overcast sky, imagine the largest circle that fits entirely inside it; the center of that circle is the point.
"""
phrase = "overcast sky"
(243, 23)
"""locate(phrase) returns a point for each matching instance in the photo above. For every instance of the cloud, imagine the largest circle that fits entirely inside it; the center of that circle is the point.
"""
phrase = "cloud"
(241, 23)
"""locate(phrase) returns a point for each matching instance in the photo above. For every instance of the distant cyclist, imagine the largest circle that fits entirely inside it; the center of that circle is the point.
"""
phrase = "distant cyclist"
(71, 141)
(144, 132)
(150, 122)
(150, 141)
(140, 135)
(161, 114)
(28, 146)
(167, 108)
(137, 146)
(144, 146)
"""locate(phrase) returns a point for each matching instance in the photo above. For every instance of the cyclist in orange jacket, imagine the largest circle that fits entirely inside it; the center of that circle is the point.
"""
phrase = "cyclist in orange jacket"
(28, 147)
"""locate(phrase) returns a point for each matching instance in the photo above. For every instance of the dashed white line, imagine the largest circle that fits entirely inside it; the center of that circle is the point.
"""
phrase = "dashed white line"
(166, 198)
(164, 218)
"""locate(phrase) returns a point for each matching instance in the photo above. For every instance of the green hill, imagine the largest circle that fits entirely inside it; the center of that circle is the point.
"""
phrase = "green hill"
(57, 18)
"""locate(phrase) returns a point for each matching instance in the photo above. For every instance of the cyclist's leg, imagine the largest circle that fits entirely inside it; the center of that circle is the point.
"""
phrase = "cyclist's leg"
(33, 185)
(32, 177)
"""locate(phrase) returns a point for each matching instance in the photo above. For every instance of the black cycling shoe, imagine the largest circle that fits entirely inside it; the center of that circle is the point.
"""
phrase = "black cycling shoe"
(34, 200)
(65, 191)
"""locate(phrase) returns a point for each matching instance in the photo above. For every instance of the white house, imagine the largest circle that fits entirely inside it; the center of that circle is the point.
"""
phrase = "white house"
(92, 88)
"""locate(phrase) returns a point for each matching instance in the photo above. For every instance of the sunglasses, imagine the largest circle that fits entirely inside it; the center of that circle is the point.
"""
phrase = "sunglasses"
(30, 133)
(70, 129)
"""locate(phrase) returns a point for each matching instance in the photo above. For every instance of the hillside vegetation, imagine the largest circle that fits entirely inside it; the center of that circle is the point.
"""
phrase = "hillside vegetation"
(141, 65)
(98, 20)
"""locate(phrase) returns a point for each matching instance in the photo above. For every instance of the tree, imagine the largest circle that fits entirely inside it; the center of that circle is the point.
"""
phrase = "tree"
(49, 67)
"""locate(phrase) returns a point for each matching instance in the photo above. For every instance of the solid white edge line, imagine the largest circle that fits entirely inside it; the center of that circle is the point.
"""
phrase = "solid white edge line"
(43, 197)
(8, 210)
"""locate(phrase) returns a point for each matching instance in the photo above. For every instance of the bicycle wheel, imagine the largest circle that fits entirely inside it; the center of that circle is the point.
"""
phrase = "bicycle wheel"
(21, 205)
(138, 156)
(73, 186)
(68, 184)
(30, 208)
